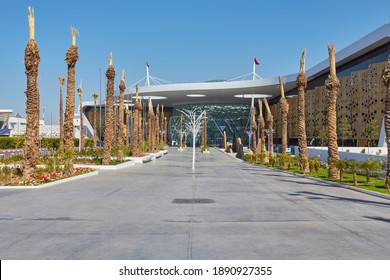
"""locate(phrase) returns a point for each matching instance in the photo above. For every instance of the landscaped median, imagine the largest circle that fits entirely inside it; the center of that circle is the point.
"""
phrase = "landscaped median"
(375, 186)
(53, 179)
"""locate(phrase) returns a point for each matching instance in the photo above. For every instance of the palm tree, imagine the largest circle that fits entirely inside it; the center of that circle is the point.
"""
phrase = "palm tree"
(270, 120)
(353, 165)
(80, 92)
(162, 126)
(31, 61)
(61, 79)
(340, 164)
(253, 129)
(386, 80)
(345, 130)
(157, 128)
(121, 112)
(136, 135)
(108, 133)
(370, 132)
(71, 58)
(165, 130)
(284, 111)
(150, 128)
(95, 96)
(370, 165)
(332, 86)
(204, 131)
(261, 127)
(302, 142)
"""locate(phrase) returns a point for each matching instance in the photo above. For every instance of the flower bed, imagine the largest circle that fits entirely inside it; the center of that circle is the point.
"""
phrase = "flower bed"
(47, 177)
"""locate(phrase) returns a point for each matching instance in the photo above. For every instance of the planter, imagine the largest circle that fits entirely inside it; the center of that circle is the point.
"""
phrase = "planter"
(108, 167)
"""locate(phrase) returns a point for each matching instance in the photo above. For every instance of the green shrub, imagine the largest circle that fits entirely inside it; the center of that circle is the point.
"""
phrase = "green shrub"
(363, 151)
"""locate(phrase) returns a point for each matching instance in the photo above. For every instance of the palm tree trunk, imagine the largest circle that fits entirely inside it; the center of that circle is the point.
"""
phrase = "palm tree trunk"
(261, 124)
(135, 127)
(254, 129)
(61, 80)
(121, 113)
(80, 92)
(270, 120)
(150, 127)
(386, 80)
(332, 86)
(302, 142)
(354, 179)
(157, 128)
(284, 111)
(31, 62)
(95, 96)
(71, 59)
(108, 133)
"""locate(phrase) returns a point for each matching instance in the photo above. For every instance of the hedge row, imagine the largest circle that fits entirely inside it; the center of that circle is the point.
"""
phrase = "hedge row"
(7, 143)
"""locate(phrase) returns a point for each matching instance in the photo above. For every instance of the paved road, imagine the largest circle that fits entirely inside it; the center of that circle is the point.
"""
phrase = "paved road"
(257, 214)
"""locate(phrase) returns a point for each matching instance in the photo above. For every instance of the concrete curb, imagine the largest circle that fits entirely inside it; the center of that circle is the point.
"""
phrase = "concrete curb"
(107, 167)
(148, 158)
(51, 184)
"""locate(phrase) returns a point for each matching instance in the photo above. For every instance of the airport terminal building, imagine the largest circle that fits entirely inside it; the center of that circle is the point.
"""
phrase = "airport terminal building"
(361, 98)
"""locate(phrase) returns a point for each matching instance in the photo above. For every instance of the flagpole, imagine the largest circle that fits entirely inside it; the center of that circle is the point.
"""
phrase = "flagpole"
(147, 74)
(254, 70)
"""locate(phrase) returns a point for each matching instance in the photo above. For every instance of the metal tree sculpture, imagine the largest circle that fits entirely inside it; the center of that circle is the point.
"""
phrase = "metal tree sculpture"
(194, 125)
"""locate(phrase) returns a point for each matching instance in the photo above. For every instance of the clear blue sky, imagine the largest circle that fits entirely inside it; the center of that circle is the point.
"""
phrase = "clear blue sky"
(184, 41)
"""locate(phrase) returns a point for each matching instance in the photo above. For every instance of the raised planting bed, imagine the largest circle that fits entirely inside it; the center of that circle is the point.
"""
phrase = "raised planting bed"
(51, 179)
(122, 165)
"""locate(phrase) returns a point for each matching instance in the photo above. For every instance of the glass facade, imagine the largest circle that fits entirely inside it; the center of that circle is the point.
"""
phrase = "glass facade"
(232, 118)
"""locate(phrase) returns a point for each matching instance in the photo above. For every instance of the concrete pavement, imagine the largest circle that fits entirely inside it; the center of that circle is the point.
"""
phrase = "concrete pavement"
(138, 213)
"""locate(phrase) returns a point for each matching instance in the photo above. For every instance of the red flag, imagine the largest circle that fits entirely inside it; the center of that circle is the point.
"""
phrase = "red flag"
(256, 61)
(147, 64)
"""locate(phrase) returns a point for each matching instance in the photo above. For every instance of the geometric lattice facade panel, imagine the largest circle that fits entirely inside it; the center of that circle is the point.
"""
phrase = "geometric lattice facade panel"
(361, 99)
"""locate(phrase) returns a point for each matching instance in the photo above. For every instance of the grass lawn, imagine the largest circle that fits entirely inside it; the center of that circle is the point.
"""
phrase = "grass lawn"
(376, 184)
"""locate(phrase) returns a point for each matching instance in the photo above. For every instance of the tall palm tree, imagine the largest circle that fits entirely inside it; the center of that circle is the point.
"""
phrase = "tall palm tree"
(332, 86)
(128, 120)
(261, 127)
(284, 111)
(165, 130)
(71, 58)
(121, 112)
(270, 120)
(95, 96)
(253, 129)
(108, 133)
(157, 128)
(31, 61)
(204, 130)
(80, 92)
(301, 84)
(150, 128)
(135, 138)
(61, 79)
(386, 80)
